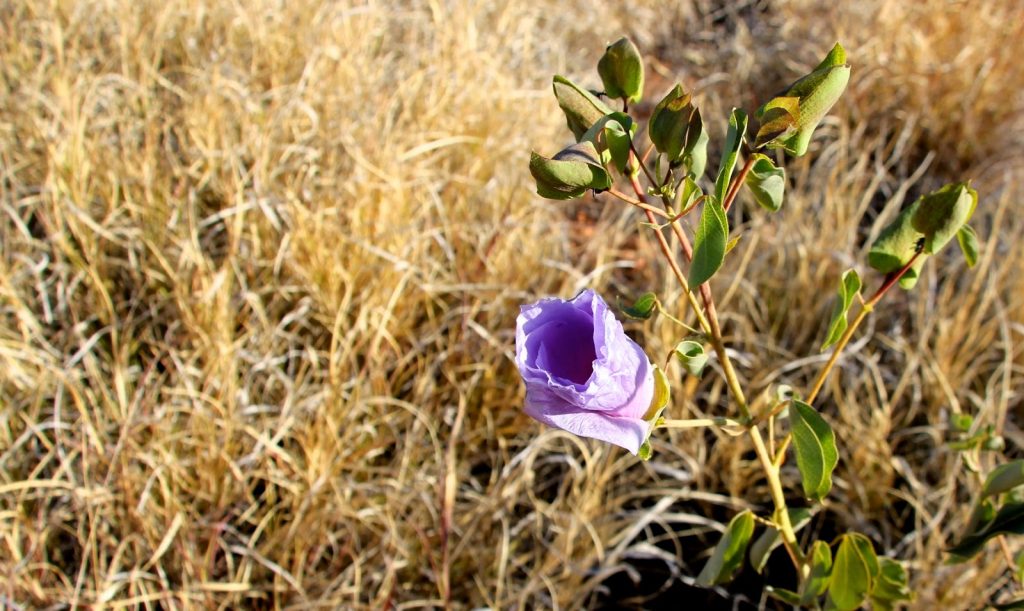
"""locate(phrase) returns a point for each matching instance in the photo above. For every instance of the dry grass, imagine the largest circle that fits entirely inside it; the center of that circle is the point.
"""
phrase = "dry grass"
(261, 263)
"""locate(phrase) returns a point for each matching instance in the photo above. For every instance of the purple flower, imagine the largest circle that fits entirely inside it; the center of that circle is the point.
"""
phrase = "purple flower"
(582, 373)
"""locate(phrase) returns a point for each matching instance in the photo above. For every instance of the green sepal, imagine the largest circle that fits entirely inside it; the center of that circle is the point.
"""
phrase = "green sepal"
(849, 286)
(728, 554)
(659, 401)
(622, 71)
(817, 92)
(691, 356)
(767, 183)
(815, 446)
(582, 109)
(570, 172)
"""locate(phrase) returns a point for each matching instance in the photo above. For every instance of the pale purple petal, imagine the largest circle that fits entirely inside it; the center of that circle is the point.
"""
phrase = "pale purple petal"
(582, 372)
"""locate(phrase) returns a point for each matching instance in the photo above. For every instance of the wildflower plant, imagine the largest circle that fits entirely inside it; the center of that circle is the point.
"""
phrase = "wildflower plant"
(585, 376)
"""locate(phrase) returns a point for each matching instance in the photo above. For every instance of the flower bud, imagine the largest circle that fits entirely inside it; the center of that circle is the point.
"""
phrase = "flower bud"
(570, 172)
(622, 71)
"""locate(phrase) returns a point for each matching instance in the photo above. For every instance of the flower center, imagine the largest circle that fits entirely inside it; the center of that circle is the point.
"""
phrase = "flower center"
(567, 348)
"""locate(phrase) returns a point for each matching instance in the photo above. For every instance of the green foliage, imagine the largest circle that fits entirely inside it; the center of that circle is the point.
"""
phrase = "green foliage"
(853, 575)
(820, 575)
(677, 131)
(789, 128)
(968, 241)
(582, 109)
(643, 308)
(941, 214)
(570, 173)
(896, 245)
(622, 71)
(1009, 520)
(928, 224)
(770, 539)
(1004, 478)
(662, 395)
(849, 286)
(891, 586)
(612, 135)
(709, 243)
(733, 143)
(728, 554)
(779, 118)
(691, 356)
(767, 182)
(815, 446)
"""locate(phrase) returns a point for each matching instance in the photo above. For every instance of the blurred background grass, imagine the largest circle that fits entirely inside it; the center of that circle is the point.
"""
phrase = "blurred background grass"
(261, 264)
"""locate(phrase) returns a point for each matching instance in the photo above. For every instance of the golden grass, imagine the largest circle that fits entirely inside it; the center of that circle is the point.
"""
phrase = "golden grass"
(261, 263)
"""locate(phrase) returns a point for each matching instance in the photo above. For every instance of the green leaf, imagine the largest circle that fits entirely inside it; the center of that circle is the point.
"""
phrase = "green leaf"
(733, 142)
(582, 109)
(643, 308)
(695, 151)
(1004, 478)
(817, 92)
(612, 135)
(779, 119)
(896, 245)
(941, 214)
(770, 539)
(891, 585)
(569, 173)
(821, 573)
(787, 596)
(849, 286)
(688, 195)
(767, 183)
(968, 241)
(709, 243)
(732, 244)
(1009, 520)
(728, 554)
(963, 422)
(622, 71)
(853, 573)
(815, 444)
(691, 356)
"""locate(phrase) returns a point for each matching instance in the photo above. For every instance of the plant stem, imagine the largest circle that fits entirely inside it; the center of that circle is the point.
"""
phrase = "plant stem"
(714, 331)
(734, 189)
(869, 305)
(667, 251)
(637, 203)
(697, 423)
